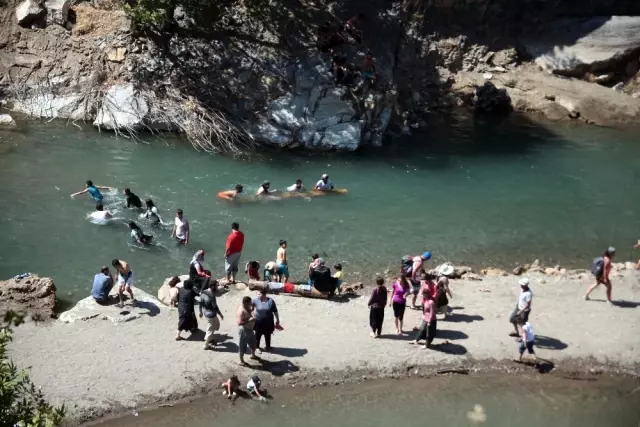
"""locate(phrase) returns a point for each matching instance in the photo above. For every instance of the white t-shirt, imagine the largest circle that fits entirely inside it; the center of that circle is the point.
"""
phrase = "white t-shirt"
(529, 331)
(320, 185)
(99, 216)
(524, 299)
(182, 226)
(152, 215)
(294, 188)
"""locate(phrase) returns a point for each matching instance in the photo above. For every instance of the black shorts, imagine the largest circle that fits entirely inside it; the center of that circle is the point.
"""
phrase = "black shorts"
(515, 316)
(398, 310)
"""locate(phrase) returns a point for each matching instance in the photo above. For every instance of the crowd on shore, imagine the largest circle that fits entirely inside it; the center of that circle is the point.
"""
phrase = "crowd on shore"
(258, 317)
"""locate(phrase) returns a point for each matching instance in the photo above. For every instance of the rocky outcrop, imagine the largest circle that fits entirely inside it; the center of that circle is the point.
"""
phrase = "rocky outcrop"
(29, 12)
(122, 108)
(7, 122)
(57, 11)
(88, 308)
(31, 294)
(49, 105)
(489, 99)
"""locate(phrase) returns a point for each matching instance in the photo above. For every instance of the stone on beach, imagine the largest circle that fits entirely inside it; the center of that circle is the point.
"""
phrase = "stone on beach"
(33, 294)
(88, 308)
(7, 122)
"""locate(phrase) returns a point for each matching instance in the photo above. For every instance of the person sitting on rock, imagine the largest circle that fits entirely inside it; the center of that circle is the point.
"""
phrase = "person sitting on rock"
(102, 285)
(197, 273)
(252, 268)
(321, 278)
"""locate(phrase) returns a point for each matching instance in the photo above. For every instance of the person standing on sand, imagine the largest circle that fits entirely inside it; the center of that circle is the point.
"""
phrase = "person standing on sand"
(401, 288)
(601, 269)
(377, 303)
(181, 230)
(526, 340)
(209, 309)
(416, 270)
(523, 306)
(429, 325)
(125, 279)
(233, 251)
(281, 262)
(187, 320)
(265, 311)
(246, 323)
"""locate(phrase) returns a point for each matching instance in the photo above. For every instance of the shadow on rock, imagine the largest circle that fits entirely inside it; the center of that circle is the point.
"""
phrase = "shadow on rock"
(447, 334)
(549, 343)
(449, 348)
(289, 352)
(152, 308)
(277, 369)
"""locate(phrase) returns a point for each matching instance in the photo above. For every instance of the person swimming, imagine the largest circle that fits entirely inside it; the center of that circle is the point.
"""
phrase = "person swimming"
(132, 199)
(297, 186)
(151, 214)
(324, 184)
(93, 190)
(138, 235)
(232, 194)
(100, 215)
(264, 189)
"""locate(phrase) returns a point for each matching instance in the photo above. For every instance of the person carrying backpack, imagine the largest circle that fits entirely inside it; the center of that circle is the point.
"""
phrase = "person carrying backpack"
(601, 268)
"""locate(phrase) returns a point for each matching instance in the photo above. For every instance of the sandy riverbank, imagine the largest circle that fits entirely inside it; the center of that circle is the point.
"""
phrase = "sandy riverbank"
(96, 367)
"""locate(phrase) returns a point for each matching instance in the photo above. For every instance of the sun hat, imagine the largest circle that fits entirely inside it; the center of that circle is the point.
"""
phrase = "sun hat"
(445, 269)
(426, 255)
(524, 282)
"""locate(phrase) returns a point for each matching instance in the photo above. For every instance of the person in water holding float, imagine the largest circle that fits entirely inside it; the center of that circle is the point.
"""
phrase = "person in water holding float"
(264, 189)
(94, 191)
(231, 194)
(324, 184)
(297, 187)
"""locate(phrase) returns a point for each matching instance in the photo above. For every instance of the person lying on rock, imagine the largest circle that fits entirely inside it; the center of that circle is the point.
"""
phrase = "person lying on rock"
(94, 191)
(102, 285)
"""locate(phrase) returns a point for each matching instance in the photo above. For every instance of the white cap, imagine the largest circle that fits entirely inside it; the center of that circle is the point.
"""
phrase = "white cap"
(324, 176)
(524, 281)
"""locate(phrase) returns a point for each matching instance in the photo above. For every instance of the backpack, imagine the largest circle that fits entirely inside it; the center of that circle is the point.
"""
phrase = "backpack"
(597, 266)
(407, 264)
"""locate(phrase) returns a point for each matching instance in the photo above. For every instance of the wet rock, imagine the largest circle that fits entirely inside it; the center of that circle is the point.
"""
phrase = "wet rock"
(122, 108)
(7, 122)
(57, 11)
(33, 295)
(518, 270)
(28, 12)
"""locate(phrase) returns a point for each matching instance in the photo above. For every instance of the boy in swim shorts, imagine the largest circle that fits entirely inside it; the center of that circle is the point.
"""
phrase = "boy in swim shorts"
(125, 279)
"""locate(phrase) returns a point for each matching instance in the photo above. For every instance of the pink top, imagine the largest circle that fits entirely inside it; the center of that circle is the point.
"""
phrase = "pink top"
(418, 262)
(400, 293)
(428, 286)
(429, 309)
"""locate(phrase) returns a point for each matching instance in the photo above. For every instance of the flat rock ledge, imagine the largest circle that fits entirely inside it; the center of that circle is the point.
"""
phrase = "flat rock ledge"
(30, 294)
(86, 309)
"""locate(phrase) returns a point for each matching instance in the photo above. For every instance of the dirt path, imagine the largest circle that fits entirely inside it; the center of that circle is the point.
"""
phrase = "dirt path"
(97, 366)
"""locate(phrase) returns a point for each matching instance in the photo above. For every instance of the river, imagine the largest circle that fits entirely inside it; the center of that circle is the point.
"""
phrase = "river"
(435, 402)
(471, 191)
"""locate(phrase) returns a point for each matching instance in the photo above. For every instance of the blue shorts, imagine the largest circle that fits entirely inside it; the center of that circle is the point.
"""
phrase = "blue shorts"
(339, 283)
(283, 269)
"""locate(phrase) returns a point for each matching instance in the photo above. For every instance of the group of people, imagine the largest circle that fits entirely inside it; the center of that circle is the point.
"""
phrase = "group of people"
(323, 184)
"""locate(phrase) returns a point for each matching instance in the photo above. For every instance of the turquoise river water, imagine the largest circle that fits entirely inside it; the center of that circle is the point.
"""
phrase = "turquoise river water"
(471, 191)
(505, 401)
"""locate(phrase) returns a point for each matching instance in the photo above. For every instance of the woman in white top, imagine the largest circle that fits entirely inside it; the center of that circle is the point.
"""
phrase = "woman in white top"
(151, 214)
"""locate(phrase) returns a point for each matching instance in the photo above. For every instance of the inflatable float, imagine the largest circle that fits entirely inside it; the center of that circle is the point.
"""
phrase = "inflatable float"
(279, 195)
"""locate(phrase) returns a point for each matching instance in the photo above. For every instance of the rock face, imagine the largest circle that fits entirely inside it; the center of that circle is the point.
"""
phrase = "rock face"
(32, 294)
(7, 122)
(57, 11)
(53, 106)
(86, 309)
(29, 12)
(163, 293)
(122, 108)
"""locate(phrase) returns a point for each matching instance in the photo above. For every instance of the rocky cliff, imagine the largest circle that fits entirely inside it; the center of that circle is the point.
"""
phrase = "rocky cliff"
(257, 77)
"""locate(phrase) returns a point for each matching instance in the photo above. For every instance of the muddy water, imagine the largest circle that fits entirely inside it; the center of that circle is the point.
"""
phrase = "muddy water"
(523, 401)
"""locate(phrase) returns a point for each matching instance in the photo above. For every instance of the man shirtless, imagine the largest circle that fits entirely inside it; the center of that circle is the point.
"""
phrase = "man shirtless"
(281, 261)
(125, 279)
(603, 265)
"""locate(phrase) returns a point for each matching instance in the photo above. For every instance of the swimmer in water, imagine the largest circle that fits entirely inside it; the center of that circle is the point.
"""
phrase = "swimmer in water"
(94, 191)
(151, 214)
(297, 187)
(125, 279)
(138, 235)
(132, 199)
(264, 189)
(232, 194)
(100, 215)
(324, 184)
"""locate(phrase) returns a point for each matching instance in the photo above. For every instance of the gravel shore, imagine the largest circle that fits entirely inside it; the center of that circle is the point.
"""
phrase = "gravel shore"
(97, 367)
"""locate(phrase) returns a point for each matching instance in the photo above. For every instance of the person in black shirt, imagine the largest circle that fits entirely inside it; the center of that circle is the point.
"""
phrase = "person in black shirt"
(321, 278)
(132, 199)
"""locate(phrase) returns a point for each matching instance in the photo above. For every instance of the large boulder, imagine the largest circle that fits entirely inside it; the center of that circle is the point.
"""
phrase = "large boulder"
(29, 294)
(7, 122)
(29, 12)
(88, 308)
(122, 108)
(57, 11)
(163, 293)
